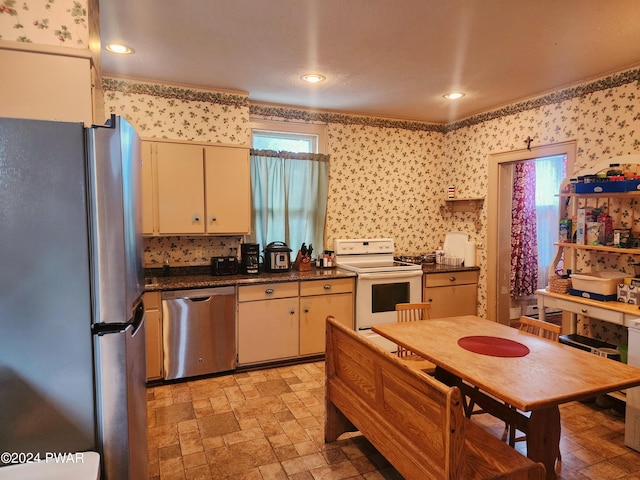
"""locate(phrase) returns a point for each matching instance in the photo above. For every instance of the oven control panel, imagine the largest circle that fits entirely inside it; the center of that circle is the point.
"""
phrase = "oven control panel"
(363, 246)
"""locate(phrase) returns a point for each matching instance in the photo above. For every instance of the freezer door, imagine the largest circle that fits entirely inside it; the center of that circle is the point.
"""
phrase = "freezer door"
(114, 166)
(46, 367)
(122, 400)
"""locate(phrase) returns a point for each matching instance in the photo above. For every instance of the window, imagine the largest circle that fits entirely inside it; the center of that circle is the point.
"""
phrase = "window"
(290, 142)
(289, 181)
(289, 137)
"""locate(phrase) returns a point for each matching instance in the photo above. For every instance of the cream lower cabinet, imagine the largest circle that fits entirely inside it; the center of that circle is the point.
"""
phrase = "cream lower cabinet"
(451, 294)
(268, 322)
(318, 299)
(153, 319)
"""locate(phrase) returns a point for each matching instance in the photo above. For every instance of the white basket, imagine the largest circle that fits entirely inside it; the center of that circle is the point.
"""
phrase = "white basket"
(603, 283)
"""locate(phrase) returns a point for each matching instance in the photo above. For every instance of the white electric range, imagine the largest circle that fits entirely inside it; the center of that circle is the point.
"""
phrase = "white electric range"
(381, 283)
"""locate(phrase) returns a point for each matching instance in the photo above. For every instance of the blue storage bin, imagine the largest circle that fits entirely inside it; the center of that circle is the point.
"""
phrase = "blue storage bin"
(603, 187)
(632, 185)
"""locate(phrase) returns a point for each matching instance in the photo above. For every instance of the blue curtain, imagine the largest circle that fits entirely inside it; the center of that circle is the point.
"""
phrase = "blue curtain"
(289, 198)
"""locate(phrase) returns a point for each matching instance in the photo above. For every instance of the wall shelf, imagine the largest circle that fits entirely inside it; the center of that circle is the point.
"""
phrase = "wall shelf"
(464, 204)
(630, 194)
(600, 248)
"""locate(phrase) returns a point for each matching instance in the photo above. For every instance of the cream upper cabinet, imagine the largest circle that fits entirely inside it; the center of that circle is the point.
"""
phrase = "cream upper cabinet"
(228, 190)
(180, 180)
(194, 189)
(147, 190)
(54, 84)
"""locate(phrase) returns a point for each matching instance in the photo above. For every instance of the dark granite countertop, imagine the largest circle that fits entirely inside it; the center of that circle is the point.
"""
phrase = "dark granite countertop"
(437, 268)
(198, 277)
(184, 279)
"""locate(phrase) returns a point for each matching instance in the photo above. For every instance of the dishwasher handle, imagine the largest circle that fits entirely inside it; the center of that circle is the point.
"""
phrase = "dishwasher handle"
(197, 294)
(198, 299)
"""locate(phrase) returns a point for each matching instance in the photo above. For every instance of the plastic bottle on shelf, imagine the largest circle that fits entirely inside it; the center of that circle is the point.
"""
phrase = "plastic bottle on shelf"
(565, 230)
(607, 230)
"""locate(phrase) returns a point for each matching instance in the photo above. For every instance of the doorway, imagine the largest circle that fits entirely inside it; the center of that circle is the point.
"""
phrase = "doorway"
(500, 193)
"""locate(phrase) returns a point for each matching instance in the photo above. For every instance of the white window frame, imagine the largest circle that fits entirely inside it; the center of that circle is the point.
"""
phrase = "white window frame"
(293, 128)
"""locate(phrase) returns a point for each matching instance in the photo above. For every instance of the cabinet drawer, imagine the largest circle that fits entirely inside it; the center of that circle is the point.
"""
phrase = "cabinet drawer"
(450, 278)
(151, 300)
(588, 310)
(249, 293)
(326, 287)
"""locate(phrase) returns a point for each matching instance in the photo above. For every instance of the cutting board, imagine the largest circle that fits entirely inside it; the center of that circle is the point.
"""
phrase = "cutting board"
(454, 244)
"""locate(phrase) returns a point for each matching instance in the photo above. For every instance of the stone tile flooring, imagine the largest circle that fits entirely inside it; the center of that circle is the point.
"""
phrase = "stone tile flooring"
(268, 424)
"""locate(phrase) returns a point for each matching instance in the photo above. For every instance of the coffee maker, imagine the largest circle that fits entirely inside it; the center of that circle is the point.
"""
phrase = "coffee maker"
(249, 257)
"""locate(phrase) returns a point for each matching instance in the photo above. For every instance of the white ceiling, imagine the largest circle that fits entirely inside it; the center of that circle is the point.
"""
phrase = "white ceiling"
(390, 58)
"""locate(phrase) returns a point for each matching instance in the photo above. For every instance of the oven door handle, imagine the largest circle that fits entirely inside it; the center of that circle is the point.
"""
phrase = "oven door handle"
(388, 275)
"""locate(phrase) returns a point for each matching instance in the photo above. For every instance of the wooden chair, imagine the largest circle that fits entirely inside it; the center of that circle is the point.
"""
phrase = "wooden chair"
(542, 329)
(411, 312)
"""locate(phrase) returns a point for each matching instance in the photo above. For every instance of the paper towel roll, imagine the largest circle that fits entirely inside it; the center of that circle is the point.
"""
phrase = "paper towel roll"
(470, 254)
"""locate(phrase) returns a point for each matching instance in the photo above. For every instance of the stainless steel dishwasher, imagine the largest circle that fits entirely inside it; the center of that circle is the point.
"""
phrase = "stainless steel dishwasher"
(198, 332)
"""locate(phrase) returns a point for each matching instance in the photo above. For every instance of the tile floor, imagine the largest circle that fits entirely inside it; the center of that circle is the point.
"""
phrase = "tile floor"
(268, 424)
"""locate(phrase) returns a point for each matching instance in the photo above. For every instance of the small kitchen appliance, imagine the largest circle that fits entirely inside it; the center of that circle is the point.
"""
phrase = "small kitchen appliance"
(224, 265)
(277, 257)
(249, 258)
(217, 265)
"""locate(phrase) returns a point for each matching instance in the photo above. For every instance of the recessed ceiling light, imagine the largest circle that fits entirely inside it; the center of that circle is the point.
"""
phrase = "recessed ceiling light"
(118, 48)
(453, 95)
(313, 78)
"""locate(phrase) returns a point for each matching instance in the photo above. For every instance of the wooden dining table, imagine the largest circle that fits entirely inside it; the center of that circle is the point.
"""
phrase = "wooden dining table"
(533, 375)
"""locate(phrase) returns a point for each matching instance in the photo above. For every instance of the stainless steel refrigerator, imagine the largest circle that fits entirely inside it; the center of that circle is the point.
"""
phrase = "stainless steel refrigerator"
(72, 346)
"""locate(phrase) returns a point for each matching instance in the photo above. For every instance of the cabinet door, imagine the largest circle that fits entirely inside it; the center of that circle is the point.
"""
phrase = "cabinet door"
(452, 301)
(313, 314)
(267, 330)
(228, 190)
(46, 87)
(147, 190)
(180, 171)
(153, 319)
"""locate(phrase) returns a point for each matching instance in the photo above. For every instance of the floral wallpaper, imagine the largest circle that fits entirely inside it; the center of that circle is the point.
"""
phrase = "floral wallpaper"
(388, 177)
(188, 251)
(166, 112)
(46, 22)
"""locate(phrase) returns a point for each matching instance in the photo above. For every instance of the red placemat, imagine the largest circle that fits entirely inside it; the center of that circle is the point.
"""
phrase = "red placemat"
(493, 346)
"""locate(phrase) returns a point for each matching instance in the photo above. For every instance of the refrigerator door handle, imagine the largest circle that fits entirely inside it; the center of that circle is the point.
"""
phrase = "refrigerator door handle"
(110, 123)
(138, 317)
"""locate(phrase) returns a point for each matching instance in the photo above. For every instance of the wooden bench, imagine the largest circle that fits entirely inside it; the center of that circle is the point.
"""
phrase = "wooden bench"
(416, 422)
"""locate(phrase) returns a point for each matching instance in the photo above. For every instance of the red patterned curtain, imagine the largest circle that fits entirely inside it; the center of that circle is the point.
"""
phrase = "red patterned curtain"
(524, 243)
